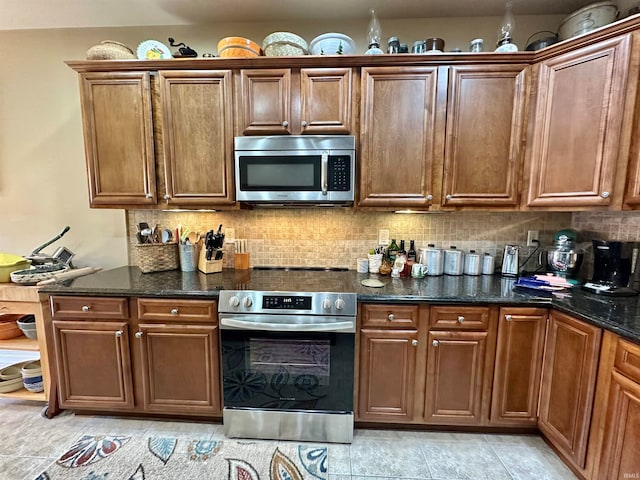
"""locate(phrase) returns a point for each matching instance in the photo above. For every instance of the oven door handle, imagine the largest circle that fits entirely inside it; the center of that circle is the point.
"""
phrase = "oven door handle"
(232, 324)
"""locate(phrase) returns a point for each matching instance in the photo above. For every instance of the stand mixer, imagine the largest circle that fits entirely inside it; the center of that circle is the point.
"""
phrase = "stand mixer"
(564, 258)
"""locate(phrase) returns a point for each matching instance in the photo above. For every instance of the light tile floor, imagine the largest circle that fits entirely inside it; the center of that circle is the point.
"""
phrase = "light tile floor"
(29, 443)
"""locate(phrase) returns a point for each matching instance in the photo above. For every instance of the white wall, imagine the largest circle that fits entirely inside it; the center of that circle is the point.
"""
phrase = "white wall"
(42, 170)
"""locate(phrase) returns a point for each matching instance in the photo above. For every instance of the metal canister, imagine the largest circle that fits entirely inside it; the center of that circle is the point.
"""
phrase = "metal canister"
(453, 261)
(476, 45)
(433, 258)
(488, 264)
(472, 263)
(419, 47)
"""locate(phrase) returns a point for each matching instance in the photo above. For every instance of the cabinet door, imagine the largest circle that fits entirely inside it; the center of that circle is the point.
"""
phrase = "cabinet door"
(387, 375)
(455, 398)
(180, 368)
(516, 382)
(485, 120)
(568, 385)
(401, 136)
(325, 101)
(576, 127)
(118, 137)
(94, 366)
(265, 102)
(619, 457)
(197, 134)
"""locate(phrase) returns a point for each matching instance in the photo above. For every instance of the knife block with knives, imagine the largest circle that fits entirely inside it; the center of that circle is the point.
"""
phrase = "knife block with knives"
(241, 256)
(208, 266)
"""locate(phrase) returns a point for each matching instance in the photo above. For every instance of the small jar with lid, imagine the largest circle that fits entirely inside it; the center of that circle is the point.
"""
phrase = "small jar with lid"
(419, 47)
(472, 263)
(453, 261)
(476, 45)
(394, 45)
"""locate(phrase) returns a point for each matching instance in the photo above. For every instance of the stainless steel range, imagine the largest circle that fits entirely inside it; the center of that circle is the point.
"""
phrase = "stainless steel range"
(287, 364)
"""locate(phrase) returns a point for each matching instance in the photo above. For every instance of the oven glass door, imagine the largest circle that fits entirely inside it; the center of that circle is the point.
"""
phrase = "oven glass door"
(288, 371)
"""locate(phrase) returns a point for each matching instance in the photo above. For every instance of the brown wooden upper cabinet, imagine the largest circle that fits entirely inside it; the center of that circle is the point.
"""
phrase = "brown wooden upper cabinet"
(576, 129)
(118, 138)
(197, 134)
(484, 132)
(401, 136)
(289, 101)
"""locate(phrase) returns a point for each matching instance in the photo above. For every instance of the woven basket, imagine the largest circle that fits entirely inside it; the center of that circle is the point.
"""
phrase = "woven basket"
(110, 50)
(157, 257)
(284, 44)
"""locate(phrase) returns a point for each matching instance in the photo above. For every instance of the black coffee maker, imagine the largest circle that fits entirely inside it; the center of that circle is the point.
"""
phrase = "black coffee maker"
(615, 269)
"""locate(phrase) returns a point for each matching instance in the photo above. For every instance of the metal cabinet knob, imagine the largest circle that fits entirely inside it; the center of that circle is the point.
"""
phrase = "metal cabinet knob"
(167, 196)
(119, 333)
(449, 197)
(149, 195)
(429, 197)
(138, 334)
(508, 318)
(391, 317)
(604, 194)
(285, 124)
(174, 311)
(460, 319)
(86, 308)
(414, 343)
(435, 343)
(304, 123)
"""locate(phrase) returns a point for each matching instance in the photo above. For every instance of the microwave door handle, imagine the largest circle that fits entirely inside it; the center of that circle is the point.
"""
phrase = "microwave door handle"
(324, 173)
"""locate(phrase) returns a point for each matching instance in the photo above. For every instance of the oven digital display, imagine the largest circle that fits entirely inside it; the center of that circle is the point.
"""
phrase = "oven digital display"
(277, 302)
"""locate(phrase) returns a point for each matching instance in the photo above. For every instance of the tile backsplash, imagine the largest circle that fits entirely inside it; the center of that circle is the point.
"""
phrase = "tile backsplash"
(335, 237)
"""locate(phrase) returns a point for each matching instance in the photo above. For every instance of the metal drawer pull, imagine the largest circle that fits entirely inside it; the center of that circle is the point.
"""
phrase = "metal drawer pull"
(435, 343)
(460, 319)
(429, 197)
(285, 124)
(138, 334)
(119, 333)
(391, 317)
(414, 343)
(604, 194)
(304, 123)
(449, 197)
(174, 311)
(86, 308)
(508, 318)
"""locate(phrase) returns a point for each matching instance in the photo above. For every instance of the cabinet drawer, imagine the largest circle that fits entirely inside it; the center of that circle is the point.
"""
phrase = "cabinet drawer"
(172, 310)
(628, 359)
(459, 318)
(89, 308)
(393, 316)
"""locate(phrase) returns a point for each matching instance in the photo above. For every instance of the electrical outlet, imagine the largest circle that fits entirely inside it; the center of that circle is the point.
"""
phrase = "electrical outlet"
(383, 236)
(531, 236)
(229, 235)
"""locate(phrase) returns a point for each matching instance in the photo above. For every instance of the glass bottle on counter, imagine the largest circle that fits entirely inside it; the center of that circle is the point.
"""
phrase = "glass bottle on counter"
(402, 251)
(411, 254)
(392, 251)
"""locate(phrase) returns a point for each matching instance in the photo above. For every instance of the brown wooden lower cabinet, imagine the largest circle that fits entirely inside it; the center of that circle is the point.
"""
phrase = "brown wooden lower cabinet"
(620, 453)
(455, 377)
(387, 375)
(516, 382)
(568, 385)
(93, 364)
(168, 365)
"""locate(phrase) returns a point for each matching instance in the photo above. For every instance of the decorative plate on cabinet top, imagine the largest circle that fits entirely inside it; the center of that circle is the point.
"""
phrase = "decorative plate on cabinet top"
(153, 50)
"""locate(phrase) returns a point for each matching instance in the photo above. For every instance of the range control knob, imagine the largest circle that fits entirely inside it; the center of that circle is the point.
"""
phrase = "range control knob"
(234, 301)
(339, 304)
(326, 304)
(247, 302)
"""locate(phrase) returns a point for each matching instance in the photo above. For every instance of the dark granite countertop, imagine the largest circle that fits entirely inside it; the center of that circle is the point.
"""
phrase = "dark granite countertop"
(621, 316)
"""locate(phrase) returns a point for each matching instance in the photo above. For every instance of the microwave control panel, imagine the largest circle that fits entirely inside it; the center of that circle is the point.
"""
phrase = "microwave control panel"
(339, 173)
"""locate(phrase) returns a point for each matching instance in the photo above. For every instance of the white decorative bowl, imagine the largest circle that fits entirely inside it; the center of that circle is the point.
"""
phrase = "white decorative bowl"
(332, 44)
(12, 385)
(284, 44)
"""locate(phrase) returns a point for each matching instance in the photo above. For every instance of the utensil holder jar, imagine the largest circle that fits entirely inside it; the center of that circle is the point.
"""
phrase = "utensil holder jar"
(241, 261)
(188, 257)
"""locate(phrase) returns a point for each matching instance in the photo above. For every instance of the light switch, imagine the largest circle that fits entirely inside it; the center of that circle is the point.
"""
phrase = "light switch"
(383, 236)
(229, 235)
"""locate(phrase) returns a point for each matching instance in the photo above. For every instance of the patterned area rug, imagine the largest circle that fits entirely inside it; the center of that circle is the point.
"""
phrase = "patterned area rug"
(136, 458)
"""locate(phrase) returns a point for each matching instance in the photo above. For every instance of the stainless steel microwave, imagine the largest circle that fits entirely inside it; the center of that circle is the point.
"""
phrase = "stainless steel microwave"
(294, 170)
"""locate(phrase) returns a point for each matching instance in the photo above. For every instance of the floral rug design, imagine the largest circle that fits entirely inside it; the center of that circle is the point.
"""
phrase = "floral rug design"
(105, 457)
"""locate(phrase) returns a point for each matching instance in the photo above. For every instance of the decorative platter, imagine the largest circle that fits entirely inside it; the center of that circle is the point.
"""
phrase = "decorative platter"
(153, 50)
